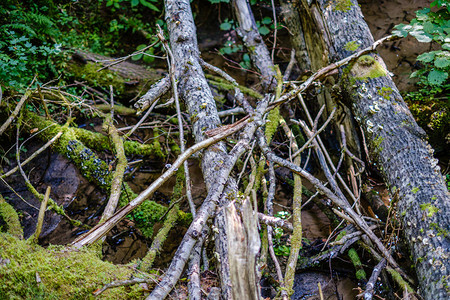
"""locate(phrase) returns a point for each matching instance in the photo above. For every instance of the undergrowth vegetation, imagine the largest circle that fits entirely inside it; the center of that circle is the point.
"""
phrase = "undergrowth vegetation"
(430, 104)
(37, 37)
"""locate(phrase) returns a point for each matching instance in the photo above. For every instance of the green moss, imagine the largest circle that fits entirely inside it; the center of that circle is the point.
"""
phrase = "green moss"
(366, 67)
(399, 279)
(360, 273)
(377, 144)
(64, 274)
(9, 216)
(385, 92)
(157, 149)
(273, 120)
(440, 230)
(342, 5)
(352, 46)
(104, 78)
(225, 85)
(341, 235)
(430, 208)
(169, 223)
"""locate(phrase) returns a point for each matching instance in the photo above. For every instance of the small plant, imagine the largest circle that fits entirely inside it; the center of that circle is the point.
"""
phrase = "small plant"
(146, 56)
(430, 105)
(280, 246)
(27, 45)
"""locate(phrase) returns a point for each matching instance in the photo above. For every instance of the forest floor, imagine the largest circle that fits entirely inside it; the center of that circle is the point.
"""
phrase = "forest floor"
(125, 244)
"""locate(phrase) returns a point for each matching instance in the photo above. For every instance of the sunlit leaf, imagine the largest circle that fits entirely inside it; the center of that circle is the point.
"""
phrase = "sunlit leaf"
(437, 77)
(426, 57)
(442, 62)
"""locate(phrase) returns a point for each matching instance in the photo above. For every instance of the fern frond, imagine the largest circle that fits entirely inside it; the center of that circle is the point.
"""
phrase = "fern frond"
(20, 27)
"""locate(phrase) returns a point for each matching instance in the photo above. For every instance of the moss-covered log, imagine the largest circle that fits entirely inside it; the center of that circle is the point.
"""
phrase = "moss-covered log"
(396, 143)
(96, 170)
(127, 79)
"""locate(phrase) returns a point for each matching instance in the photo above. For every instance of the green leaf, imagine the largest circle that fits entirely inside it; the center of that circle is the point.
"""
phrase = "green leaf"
(414, 74)
(266, 20)
(264, 30)
(134, 3)
(226, 50)
(430, 28)
(225, 26)
(442, 62)
(421, 36)
(148, 59)
(149, 5)
(437, 77)
(141, 46)
(401, 30)
(426, 57)
(137, 57)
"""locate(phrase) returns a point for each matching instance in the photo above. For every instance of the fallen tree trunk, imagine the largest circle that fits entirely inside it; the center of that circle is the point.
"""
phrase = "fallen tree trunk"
(196, 94)
(396, 143)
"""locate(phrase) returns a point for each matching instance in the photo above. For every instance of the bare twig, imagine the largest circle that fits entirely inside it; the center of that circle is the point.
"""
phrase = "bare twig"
(35, 153)
(126, 283)
(171, 63)
(368, 294)
(18, 108)
(119, 60)
(41, 215)
(316, 133)
(287, 72)
(275, 23)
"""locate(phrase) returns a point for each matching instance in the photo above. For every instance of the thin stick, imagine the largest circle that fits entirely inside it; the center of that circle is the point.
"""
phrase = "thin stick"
(287, 72)
(41, 97)
(41, 215)
(314, 135)
(117, 179)
(125, 283)
(124, 58)
(138, 124)
(171, 63)
(18, 108)
(36, 153)
(368, 294)
(275, 31)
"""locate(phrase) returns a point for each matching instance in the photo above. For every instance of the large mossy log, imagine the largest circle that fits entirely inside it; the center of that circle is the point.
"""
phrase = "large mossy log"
(126, 78)
(72, 145)
(396, 143)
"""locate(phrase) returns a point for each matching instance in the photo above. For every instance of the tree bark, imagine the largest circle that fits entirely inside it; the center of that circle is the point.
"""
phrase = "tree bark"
(396, 143)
